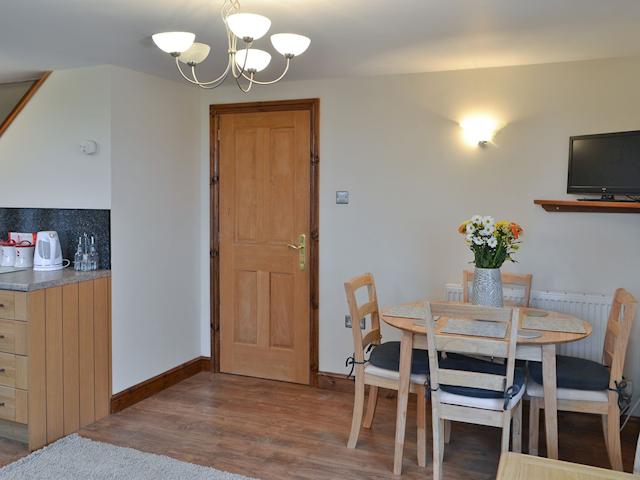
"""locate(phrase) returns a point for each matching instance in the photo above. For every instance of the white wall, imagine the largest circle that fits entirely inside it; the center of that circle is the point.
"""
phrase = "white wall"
(394, 143)
(154, 226)
(40, 152)
(146, 171)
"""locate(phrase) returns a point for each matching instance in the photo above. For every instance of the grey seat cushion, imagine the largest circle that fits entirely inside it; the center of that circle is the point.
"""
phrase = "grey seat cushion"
(462, 362)
(574, 373)
(387, 356)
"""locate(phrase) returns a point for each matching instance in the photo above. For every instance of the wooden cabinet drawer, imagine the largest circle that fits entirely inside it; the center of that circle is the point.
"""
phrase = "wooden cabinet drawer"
(13, 337)
(13, 371)
(13, 404)
(13, 305)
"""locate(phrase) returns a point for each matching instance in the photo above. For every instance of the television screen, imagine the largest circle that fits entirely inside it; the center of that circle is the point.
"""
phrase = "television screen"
(606, 163)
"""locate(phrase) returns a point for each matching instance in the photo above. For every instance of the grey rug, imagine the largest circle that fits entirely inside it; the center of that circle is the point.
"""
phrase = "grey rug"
(75, 458)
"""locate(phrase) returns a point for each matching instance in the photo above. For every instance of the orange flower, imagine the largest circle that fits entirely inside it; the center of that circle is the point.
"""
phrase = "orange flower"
(462, 228)
(516, 230)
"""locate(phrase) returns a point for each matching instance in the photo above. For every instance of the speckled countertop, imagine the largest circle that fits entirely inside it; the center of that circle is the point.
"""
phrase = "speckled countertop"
(28, 280)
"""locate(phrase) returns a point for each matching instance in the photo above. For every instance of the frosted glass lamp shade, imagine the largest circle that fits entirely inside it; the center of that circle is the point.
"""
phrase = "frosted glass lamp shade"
(290, 44)
(256, 61)
(196, 54)
(248, 25)
(173, 42)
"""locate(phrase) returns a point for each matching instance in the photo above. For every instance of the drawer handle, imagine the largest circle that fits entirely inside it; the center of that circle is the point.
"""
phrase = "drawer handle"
(1, 305)
(2, 336)
(1, 404)
(2, 370)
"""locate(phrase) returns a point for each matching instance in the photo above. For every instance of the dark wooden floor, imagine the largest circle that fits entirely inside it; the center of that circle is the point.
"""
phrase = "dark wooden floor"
(273, 430)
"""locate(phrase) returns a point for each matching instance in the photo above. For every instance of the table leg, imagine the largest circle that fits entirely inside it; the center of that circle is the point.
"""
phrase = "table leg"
(406, 349)
(550, 399)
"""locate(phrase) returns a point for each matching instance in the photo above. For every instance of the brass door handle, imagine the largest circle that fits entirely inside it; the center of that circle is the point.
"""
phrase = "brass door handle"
(302, 250)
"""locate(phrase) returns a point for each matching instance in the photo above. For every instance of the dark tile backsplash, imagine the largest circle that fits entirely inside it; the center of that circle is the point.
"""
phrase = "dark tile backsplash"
(69, 223)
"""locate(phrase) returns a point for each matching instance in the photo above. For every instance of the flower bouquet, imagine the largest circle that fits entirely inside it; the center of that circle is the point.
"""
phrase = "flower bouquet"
(492, 244)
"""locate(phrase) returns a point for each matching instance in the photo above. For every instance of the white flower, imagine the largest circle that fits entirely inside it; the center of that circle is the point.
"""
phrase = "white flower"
(478, 240)
(488, 230)
(486, 221)
(470, 228)
(476, 219)
(469, 237)
(492, 242)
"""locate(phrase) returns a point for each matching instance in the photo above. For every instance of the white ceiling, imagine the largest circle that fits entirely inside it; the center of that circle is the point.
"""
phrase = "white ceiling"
(348, 37)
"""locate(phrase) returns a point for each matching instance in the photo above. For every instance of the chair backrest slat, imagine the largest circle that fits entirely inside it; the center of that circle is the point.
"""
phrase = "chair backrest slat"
(508, 279)
(455, 344)
(357, 312)
(501, 348)
(619, 325)
(462, 378)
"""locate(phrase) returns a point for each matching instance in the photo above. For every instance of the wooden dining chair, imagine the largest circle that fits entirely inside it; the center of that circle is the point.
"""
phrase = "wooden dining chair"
(520, 281)
(590, 387)
(474, 391)
(381, 369)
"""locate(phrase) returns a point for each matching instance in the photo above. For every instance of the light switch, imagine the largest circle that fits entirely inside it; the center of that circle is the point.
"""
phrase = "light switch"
(342, 197)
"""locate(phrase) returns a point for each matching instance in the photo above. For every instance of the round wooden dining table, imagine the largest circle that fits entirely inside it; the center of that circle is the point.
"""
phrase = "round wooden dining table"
(539, 349)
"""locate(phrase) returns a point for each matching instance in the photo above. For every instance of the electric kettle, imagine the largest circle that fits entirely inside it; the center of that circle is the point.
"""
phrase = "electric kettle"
(48, 254)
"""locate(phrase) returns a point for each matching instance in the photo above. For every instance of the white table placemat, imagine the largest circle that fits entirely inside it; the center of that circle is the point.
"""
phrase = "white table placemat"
(417, 311)
(475, 328)
(554, 324)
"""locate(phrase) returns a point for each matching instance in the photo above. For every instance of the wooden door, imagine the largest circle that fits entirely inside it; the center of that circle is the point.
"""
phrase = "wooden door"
(264, 174)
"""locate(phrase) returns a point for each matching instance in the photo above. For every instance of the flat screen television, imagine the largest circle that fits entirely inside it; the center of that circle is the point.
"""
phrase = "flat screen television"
(607, 164)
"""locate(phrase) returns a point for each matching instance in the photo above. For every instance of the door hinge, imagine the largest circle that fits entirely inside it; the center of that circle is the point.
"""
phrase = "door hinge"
(215, 180)
(315, 160)
(213, 253)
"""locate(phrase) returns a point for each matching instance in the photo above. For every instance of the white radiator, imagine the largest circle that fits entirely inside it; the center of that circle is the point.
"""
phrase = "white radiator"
(592, 308)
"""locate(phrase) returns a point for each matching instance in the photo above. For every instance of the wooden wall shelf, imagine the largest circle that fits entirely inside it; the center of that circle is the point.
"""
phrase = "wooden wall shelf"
(588, 206)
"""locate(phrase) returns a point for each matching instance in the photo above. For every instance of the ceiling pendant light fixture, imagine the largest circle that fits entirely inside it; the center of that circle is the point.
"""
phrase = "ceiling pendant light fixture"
(242, 63)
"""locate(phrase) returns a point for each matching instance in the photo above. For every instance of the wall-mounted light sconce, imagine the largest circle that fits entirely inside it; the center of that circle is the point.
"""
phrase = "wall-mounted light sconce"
(479, 130)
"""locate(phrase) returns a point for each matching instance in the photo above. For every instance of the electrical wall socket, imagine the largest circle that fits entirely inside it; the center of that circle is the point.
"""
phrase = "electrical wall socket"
(348, 323)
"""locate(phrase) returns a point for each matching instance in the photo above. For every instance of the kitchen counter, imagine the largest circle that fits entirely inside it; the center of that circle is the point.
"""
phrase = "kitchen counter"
(28, 280)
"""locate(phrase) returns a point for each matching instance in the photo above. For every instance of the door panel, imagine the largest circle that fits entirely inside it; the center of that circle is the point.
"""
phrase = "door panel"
(264, 206)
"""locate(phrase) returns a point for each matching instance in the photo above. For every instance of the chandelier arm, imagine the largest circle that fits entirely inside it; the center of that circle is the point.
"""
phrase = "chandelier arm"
(240, 71)
(248, 88)
(195, 82)
(271, 82)
(209, 85)
(217, 81)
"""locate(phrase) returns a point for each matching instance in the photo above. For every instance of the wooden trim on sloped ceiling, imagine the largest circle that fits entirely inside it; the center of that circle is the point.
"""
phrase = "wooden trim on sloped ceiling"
(139, 392)
(313, 105)
(23, 102)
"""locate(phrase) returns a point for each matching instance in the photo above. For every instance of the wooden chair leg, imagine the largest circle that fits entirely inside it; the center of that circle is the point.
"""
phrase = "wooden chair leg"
(605, 427)
(442, 427)
(437, 447)
(517, 428)
(506, 431)
(358, 407)
(534, 425)
(372, 401)
(447, 431)
(421, 414)
(613, 436)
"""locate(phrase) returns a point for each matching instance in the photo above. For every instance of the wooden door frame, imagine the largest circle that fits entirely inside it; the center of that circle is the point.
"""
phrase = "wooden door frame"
(313, 106)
